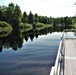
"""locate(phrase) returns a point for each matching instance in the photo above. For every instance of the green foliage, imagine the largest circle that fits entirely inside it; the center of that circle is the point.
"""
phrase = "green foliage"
(3, 13)
(74, 25)
(12, 14)
(40, 26)
(25, 17)
(4, 24)
(25, 27)
(30, 18)
(36, 19)
(5, 29)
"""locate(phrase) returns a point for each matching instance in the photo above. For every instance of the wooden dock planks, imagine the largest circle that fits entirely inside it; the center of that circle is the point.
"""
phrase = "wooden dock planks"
(70, 57)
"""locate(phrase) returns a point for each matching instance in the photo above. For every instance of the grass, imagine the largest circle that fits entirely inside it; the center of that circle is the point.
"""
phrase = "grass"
(70, 30)
(25, 27)
(5, 29)
(40, 26)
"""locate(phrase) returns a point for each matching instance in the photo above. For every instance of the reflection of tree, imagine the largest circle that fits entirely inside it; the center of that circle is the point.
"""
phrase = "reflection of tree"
(1, 49)
(1, 46)
(15, 39)
(25, 36)
(31, 36)
(36, 36)
(35, 33)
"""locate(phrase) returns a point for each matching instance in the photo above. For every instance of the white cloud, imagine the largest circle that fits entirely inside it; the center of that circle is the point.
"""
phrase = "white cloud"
(53, 8)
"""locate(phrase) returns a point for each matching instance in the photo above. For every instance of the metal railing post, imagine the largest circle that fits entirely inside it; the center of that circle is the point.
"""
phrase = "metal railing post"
(59, 63)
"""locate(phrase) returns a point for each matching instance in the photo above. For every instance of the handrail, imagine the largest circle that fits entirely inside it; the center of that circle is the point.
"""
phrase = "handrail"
(58, 59)
(52, 71)
(57, 67)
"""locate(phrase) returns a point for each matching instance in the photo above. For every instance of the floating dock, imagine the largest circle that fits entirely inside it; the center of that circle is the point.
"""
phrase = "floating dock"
(70, 57)
(65, 63)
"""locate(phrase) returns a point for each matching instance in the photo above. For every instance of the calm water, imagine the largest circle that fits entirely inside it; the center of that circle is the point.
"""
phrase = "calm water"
(34, 58)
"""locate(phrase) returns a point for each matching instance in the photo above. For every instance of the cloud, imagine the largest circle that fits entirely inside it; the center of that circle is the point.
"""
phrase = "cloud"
(46, 7)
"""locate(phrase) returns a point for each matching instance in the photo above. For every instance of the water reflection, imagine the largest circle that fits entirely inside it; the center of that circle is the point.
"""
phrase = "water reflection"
(34, 58)
(1, 46)
(15, 39)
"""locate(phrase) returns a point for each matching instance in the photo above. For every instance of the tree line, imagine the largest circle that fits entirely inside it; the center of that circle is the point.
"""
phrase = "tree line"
(13, 15)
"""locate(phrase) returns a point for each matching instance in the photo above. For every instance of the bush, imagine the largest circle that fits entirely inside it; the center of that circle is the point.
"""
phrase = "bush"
(5, 29)
(4, 24)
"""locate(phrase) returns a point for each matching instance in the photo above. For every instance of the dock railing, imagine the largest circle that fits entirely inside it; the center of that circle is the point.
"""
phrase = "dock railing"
(58, 68)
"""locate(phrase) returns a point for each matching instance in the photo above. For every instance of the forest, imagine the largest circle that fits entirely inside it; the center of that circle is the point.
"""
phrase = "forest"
(13, 16)
(24, 26)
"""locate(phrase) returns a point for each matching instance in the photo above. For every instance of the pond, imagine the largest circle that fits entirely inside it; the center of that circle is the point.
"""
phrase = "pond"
(28, 53)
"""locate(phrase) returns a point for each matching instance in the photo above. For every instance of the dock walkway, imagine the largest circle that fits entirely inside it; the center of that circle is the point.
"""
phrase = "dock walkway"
(66, 57)
(70, 57)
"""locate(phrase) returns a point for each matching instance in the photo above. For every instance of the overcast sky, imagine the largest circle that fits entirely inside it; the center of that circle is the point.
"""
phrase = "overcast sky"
(54, 8)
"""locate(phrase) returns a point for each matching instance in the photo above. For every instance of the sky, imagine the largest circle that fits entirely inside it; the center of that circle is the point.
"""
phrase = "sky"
(53, 8)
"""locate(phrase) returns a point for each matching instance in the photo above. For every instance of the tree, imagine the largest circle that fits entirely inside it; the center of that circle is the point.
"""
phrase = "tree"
(25, 17)
(44, 20)
(40, 19)
(36, 18)
(30, 18)
(3, 13)
(17, 16)
(10, 13)
(13, 15)
(50, 20)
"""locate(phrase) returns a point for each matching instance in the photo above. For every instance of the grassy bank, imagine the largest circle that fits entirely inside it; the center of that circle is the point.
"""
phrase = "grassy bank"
(5, 29)
(38, 26)
(25, 27)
